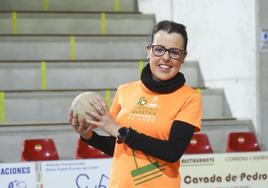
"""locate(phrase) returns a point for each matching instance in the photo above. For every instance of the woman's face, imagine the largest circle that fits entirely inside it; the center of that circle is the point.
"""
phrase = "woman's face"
(164, 67)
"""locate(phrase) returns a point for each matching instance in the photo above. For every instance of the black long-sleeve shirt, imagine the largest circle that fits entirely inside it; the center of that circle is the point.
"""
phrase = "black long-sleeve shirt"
(169, 150)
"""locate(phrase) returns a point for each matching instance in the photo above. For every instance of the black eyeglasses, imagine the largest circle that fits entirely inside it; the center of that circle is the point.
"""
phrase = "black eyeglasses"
(174, 53)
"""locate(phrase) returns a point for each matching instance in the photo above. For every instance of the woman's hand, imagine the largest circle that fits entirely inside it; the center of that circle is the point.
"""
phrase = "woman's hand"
(102, 118)
(82, 127)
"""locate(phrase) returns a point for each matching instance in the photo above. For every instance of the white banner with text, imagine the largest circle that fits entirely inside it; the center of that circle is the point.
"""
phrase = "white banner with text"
(228, 170)
(234, 170)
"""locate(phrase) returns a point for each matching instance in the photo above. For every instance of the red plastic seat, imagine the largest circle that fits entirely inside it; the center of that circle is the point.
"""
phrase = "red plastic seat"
(85, 151)
(39, 150)
(199, 144)
(242, 142)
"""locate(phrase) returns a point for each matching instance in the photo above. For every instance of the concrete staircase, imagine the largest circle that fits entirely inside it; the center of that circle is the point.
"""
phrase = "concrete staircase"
(51, 51)
(127, 6)
(93, 74)
(77, 23)
(52, 105)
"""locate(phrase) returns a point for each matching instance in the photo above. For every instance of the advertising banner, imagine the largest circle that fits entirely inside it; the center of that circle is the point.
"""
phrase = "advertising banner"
(234, 170)
(225, 170)
(75, 173)
(18, 175)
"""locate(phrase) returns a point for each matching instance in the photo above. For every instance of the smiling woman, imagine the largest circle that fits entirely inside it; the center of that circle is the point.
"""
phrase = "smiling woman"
(152, 120)
(165, 66)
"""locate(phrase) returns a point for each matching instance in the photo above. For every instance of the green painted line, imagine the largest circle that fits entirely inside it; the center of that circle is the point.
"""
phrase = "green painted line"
(141, 65)
(2, 108)
(43, 75)
(116, 5)
(14, 22)
(108, 97)
(72, 48)
(103, 23)
(45, 5)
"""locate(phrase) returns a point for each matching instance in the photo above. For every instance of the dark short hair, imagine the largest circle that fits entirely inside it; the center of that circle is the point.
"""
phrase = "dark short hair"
(170, 27)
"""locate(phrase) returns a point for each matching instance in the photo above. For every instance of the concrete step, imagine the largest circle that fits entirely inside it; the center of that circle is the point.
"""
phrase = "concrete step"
(60, 47)
(75, 23)
(79, 75)
(218, 130)
(65, 137)
(69, 5)
(53, 105)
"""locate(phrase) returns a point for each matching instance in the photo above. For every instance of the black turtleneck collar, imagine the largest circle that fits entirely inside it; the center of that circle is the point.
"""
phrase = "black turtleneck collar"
(166, 86)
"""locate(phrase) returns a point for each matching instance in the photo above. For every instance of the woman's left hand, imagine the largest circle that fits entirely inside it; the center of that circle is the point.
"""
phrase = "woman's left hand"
(102, 118)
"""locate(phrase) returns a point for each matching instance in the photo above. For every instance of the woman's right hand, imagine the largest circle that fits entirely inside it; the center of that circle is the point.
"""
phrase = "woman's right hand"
(80, 126)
